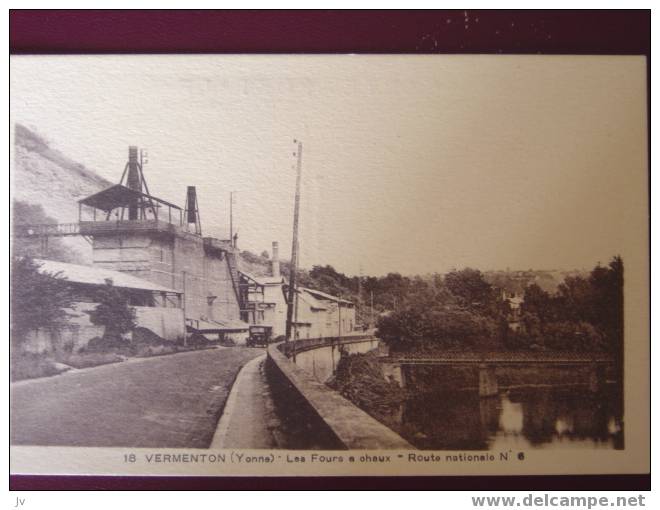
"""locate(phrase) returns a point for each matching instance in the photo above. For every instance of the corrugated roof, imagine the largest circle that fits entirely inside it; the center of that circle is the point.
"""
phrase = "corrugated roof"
(97, 276)
(218, 325)
(263, 280)
(119, 196)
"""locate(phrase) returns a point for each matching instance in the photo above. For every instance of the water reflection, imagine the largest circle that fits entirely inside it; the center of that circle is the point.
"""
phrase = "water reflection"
(524, 416)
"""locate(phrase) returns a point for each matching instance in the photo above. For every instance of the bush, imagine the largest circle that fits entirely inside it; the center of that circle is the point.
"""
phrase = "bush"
(113, 312)
(30, 366)
(144, 336)
(108, 343)
(418, 328)
(359, 378)
(198, 340)
(572, 336)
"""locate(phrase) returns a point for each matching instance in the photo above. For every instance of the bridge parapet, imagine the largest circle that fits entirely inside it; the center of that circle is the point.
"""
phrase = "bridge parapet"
(307, 344)
(354, 428)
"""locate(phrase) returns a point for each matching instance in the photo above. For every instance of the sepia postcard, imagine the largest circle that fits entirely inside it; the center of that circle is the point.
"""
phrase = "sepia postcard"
(276, 265)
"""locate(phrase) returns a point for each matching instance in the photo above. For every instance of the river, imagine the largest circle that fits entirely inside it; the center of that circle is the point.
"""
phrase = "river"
(443, 411)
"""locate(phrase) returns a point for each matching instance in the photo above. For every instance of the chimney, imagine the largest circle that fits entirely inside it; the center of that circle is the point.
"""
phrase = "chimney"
(191, 213)
(275, 260)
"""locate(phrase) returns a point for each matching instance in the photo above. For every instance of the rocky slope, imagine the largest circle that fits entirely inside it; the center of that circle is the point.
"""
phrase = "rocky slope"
(45, 177)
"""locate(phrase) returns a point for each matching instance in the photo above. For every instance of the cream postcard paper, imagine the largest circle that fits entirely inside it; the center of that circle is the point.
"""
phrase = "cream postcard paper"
(269, 265)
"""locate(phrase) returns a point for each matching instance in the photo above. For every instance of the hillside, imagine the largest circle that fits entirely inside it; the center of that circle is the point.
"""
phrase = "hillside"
(43, 176)
(46, 188)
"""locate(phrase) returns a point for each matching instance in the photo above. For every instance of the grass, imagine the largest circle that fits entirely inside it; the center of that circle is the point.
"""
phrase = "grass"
(31, 366)
(87, 360)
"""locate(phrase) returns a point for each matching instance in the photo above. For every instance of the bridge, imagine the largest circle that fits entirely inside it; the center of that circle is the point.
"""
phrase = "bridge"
(394, 367)
(500, 358)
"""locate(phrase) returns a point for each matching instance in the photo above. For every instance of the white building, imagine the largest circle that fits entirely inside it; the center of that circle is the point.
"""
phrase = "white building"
(316, 314)
(157, 308)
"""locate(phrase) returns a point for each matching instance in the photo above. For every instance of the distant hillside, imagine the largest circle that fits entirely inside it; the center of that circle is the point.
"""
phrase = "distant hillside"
(45, 177)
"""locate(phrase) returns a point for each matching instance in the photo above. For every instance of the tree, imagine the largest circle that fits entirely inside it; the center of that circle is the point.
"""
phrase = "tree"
(33, 214)
(576, 299)
(607, 295)
(113, 312)
(437, 328)
(469, 286)
(38, 299)
(537, 302)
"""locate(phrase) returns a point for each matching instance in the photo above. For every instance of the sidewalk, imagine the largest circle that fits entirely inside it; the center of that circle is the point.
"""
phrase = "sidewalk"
(248, 420)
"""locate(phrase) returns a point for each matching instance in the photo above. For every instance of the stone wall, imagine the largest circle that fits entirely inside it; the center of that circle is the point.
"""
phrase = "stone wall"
(74, 335)
(165, 322)
(354, 428)
(179, 262)
(79, 330)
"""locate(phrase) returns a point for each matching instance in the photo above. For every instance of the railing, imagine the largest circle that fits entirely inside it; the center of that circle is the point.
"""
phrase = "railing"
(307, 344)
(217, 244)
(558, 358)
(47, 229)
(99, 227)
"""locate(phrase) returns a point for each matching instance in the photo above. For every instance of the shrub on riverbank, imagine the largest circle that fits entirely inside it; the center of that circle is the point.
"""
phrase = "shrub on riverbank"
(359, 379)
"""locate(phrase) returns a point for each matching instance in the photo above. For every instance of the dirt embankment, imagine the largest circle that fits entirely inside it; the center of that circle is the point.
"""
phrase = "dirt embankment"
(360, 379)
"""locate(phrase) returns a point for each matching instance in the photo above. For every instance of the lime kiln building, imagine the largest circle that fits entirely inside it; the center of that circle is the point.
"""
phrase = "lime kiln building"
(134, 232)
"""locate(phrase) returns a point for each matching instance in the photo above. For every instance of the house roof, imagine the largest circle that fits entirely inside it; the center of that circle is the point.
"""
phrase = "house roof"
(91, 275)
(322, 295)
(310, 300)
(119, 196)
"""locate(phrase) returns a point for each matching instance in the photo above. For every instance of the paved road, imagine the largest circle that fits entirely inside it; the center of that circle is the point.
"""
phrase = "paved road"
(167, 401)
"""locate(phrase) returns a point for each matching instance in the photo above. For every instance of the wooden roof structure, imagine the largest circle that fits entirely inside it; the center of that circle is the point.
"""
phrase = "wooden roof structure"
(120, 196)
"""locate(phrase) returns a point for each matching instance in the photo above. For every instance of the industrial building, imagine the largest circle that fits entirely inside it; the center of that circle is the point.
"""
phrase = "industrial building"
(134, 232)
(158, 247)
(156, 307)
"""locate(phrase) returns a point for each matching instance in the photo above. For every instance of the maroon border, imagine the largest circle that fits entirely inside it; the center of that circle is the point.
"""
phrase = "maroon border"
(456, 483)
(330, 31)
(622, 32)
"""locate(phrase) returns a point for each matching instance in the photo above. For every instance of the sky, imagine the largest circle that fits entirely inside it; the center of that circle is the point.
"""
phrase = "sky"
(410, 164)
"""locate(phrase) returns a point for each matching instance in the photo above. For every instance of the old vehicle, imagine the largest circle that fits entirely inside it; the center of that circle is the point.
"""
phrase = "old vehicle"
(259, 336)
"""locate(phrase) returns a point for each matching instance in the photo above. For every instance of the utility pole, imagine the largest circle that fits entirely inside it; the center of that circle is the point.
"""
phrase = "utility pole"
(294, 244)
(372, 308)
(339, 313)
(359, 296)
(231, 218)
(185, 296)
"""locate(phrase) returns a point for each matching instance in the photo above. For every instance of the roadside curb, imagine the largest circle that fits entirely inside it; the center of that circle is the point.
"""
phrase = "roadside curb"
(228, 412)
